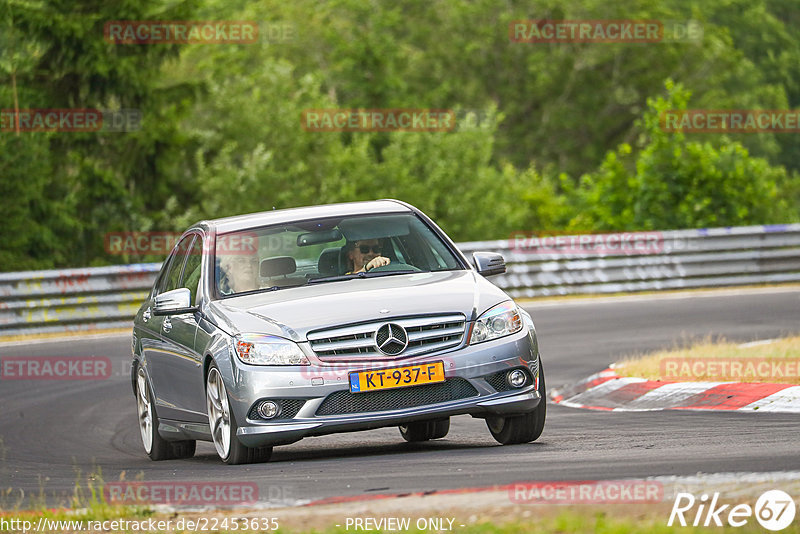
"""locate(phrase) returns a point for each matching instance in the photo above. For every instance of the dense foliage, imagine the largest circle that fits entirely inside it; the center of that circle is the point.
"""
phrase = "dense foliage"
(565, 136)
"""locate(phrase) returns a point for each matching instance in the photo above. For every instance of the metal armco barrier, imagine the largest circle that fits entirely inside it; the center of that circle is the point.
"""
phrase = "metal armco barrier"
(678, 259)
(108, 297)
(67, 300)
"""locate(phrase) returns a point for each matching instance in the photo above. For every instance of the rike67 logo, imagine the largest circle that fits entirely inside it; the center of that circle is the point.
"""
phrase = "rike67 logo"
(774, 510)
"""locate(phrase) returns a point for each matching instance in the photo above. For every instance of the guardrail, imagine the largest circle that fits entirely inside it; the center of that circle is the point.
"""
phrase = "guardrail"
(665, 260)
(108, 297)
(95, 298)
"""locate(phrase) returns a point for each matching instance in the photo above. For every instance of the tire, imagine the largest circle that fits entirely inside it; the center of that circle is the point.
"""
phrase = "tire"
(156, 447)
(223, 424)
(425, 430)
(521, 428)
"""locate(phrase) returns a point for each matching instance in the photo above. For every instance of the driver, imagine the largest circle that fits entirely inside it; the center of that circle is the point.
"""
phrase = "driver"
(365, 255)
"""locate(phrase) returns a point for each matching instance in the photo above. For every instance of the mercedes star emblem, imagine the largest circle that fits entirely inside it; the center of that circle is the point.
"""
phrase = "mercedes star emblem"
(391, 339)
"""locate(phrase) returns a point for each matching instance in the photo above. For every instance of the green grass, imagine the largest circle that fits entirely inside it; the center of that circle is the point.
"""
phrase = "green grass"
(86, 502)
(654, 366)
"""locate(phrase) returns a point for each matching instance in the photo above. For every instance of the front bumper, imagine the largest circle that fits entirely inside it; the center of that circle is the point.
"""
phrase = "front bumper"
(471, 387)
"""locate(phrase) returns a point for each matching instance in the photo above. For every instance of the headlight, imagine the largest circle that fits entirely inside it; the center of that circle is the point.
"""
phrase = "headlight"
(501, 320)
(260, 349)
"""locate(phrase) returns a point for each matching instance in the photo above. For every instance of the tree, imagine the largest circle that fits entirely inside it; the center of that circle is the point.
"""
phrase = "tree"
(95, 181)
(673, 182)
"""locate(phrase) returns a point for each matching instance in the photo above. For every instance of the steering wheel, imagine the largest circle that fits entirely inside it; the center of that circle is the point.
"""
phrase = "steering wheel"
(395, 267)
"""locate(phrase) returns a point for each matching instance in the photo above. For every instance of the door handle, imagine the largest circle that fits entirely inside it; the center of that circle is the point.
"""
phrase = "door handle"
(146, 315)
(167, 324)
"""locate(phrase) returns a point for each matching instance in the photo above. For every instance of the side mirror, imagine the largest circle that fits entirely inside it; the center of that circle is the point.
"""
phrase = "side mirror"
(175, 302)
(489, 263)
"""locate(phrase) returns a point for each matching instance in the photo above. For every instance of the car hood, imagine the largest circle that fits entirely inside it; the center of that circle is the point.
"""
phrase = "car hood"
(293, 312)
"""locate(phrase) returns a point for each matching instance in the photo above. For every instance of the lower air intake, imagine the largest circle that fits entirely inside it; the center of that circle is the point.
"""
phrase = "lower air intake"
(498, 380)
(344, 402)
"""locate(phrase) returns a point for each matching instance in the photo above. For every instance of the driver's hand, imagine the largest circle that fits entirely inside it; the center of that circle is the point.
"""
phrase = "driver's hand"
(378, 261)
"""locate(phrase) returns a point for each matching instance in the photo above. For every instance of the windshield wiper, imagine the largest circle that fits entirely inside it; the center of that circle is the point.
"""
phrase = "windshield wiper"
(351, 276)
(337, 278)
(390, 273)
(255, 291)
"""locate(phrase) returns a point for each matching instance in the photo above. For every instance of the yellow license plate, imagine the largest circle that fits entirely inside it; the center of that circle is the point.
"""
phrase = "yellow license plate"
(398, 377)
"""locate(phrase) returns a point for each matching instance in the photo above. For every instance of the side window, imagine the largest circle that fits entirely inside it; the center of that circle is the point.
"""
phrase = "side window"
(176, 261)
(191, 273)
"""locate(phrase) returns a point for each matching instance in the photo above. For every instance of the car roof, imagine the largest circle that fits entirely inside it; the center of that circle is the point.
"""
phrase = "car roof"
(265, 218)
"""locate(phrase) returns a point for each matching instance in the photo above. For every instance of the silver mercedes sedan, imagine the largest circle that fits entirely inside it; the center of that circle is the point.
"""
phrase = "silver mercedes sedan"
(263, 329)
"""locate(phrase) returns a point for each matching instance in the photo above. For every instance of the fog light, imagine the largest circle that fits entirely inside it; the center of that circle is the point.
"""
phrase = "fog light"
(516, 378)
(267, 409)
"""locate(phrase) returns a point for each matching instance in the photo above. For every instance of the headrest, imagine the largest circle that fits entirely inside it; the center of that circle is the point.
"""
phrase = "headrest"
(329, 263)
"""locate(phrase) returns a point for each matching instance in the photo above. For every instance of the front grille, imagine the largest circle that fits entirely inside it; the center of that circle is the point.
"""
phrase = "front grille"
(344, 402)
(289, 408)
(426, 334)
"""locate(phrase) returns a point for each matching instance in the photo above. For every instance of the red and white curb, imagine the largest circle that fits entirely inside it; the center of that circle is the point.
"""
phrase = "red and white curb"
(608, 391)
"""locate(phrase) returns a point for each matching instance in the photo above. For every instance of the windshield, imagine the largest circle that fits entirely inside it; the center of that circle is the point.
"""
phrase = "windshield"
(327, 250)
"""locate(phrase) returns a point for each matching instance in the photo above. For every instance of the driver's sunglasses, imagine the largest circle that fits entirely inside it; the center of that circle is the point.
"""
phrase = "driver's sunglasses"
(377, 249)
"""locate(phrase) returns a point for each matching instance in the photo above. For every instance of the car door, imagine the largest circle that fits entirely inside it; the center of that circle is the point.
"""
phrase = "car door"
(175, 342)
(149, 324)
(182, 363)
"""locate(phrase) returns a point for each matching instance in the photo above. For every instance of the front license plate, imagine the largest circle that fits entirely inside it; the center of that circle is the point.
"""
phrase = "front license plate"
(398, 377)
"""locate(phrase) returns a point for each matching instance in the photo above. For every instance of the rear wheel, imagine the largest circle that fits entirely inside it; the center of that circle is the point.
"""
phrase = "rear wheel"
(425, 430)
(521, 428)
(223, 425)
(156, 447)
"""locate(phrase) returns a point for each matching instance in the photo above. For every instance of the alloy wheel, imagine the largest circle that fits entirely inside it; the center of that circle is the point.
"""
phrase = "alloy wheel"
(219, 414)
(145, 409)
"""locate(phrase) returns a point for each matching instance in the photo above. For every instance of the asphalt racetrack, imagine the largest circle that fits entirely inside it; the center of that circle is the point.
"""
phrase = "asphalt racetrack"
(55, 432)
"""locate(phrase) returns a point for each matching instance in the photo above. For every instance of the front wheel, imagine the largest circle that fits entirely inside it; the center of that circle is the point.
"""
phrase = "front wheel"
(223, 425)
(521, 428)
(425, 430)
